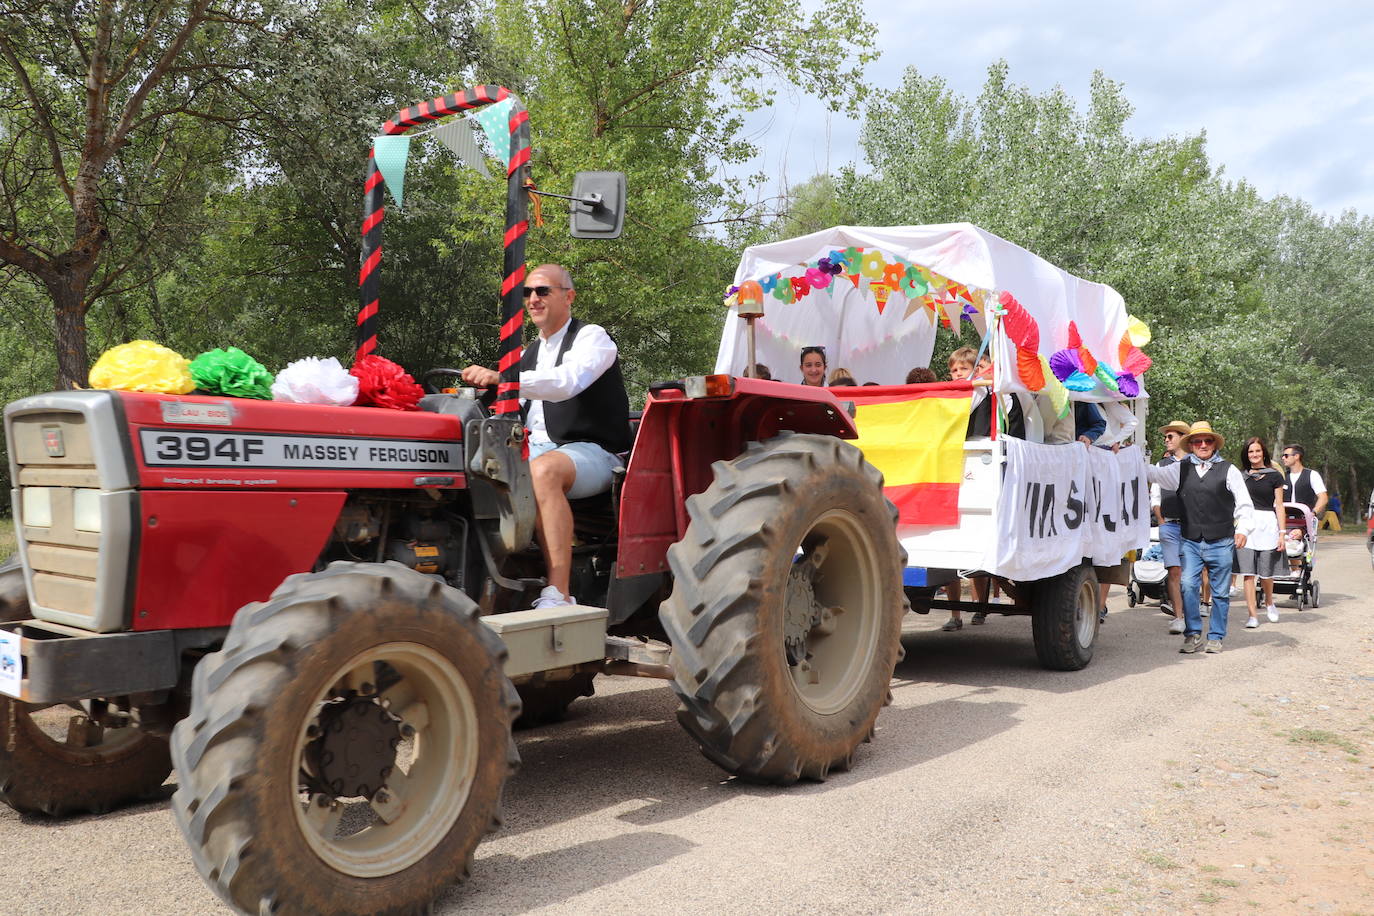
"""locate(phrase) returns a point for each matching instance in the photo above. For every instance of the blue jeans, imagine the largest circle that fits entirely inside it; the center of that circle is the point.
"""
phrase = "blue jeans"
(1216, 556)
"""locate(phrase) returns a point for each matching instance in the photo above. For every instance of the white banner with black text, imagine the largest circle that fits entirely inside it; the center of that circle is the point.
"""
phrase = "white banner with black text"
(1061, 504)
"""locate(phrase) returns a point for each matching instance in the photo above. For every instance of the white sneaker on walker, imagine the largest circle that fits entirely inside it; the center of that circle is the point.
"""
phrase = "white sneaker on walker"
(1235, 591)
(1176, 626)
(1251, 623)
(1273, 613)
(1206, 608)
(552, 597)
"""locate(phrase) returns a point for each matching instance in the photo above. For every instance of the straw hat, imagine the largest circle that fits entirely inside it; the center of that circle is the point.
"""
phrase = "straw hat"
(1203, 428)
(1175, 426)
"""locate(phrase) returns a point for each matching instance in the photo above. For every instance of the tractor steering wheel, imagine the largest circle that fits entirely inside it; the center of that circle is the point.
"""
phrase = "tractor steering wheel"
(433, 387)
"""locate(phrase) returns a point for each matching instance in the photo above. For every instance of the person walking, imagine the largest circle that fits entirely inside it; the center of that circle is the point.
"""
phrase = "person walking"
(1259, 558)
(1216, 519)
(1166, 509)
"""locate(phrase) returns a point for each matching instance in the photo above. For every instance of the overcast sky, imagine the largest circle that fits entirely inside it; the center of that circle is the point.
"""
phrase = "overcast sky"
(1284, 90)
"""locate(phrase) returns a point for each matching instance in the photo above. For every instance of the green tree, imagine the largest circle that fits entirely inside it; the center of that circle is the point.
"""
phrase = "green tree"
(113, 123)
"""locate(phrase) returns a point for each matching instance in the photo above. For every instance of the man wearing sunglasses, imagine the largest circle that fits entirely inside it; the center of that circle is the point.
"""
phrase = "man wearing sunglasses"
(1217, 516)
(577, 411)
(1167, 514)
(1302, 484)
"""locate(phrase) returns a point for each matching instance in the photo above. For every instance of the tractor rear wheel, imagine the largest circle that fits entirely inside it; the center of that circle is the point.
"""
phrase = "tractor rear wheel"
(54, 760)
(786, 611)
(1064, 619)
(347, 748)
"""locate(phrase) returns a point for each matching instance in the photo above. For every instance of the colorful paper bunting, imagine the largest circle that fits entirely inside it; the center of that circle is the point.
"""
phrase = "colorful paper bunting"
(495, 123)
(391, 153)
(459, 137)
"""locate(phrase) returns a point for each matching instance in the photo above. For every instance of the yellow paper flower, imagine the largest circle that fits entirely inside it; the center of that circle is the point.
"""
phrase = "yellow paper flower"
(1138, 330)
(1058, 394)
(142, 365)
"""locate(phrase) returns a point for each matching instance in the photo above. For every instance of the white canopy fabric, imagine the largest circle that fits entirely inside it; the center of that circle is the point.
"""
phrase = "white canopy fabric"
(879, 317)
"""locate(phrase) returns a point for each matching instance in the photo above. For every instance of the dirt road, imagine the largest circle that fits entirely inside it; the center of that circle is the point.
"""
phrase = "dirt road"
(1150, 782)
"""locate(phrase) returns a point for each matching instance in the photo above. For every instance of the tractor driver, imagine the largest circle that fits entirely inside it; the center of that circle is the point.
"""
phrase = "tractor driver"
(577, 413)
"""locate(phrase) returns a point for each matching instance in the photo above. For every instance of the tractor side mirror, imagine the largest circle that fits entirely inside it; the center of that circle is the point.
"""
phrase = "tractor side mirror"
(598, 210)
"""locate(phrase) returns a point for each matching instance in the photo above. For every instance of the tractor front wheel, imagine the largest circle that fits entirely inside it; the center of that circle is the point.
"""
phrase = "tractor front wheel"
(786, 610)
(347, 748)
(55, 760)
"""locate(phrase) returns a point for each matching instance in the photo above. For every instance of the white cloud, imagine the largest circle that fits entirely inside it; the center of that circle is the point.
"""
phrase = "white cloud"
(1284, 90)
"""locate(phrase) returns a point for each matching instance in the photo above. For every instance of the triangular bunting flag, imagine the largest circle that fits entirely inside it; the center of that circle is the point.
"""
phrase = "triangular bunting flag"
(391, 154)
(495, 123)
(458, 136)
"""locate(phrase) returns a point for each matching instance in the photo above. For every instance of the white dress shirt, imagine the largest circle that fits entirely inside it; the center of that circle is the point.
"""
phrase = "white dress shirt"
(591, 354)
(1168, 478)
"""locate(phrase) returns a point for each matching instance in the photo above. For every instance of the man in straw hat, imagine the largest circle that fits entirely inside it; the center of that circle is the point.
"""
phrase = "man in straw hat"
(1167, 514)
(1216, 514)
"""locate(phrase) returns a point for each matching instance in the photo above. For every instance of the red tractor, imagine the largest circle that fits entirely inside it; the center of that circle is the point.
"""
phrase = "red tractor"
(323, 608)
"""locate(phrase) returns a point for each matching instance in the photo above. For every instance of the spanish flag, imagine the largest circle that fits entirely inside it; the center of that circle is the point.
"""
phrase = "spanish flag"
(915, 437)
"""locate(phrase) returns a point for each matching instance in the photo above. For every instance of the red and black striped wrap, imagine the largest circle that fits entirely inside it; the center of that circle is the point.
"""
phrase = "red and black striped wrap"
(517, 226)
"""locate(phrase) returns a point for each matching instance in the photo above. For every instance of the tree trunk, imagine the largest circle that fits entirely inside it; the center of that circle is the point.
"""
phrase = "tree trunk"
(73, 365)
(1279, 435)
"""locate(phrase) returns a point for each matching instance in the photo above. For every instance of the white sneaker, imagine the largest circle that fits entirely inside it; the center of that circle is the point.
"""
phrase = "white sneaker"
(1273, 613)
(1235, 591)
(552, 597)
(1251, 623)
(1176, 626)
(1206, 608)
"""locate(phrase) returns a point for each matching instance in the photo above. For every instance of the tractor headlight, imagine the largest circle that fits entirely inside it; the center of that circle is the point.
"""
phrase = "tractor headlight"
(86, 510)
(37, 507)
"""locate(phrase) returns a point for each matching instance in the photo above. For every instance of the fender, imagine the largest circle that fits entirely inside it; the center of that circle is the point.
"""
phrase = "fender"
(680, 438)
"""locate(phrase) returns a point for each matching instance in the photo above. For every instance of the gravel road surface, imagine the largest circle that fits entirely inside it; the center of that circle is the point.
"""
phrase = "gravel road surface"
(1149, 782)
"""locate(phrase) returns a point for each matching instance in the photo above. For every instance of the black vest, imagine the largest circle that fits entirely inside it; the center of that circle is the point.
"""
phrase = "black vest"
(600, 414)
(1168, 499)
(1299, 490)
(1209, 507)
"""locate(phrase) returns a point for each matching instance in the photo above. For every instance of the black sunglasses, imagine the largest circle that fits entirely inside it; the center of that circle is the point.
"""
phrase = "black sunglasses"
(541, 291)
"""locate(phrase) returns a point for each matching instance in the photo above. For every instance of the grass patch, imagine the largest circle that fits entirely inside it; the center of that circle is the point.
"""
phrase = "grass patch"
(1208, 897)
(1159, 860)
(1318, 736)
(7, 541)
(1210, 869)
(1226, 882)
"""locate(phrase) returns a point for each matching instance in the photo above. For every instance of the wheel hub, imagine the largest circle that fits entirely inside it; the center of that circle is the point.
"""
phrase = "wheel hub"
(355, 751)
(804, 614)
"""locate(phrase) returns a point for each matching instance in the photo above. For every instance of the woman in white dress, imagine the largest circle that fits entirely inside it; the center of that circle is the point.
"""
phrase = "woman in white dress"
(1260, 557)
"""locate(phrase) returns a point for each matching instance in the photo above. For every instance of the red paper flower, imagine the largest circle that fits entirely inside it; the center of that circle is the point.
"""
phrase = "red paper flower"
(382, 383)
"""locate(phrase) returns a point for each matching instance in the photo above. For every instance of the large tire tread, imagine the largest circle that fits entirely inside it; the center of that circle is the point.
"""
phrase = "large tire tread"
(41, 776)
(712, 616)
(216, 748)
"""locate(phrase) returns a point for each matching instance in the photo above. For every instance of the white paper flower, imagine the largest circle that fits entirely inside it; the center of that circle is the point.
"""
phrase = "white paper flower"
(315, 381)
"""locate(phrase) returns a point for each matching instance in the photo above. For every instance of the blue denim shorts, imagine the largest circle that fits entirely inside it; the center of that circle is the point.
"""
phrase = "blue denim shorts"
(1170, 535)
(595, 466)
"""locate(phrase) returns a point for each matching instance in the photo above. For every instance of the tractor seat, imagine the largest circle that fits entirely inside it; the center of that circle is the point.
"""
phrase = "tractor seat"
(595, 518)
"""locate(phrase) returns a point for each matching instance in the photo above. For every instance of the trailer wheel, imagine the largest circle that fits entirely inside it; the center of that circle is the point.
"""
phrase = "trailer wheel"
(786, 610)
(347, 748)
(1064, 620)
(53, 760)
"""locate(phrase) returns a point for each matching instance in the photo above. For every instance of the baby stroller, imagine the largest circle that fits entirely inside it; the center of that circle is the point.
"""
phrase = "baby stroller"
(1298, 544)
(1148, 574)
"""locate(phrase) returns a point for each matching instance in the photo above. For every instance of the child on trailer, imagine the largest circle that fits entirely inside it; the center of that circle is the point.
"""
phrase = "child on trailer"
(962, 363)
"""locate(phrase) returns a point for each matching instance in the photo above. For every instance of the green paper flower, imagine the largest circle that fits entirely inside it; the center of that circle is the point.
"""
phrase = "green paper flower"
(231, 372)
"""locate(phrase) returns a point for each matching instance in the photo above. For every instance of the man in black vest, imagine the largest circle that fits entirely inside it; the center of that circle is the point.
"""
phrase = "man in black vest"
(1167, 516)
(1302, 484)
(1216, 515)
(577, 412)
